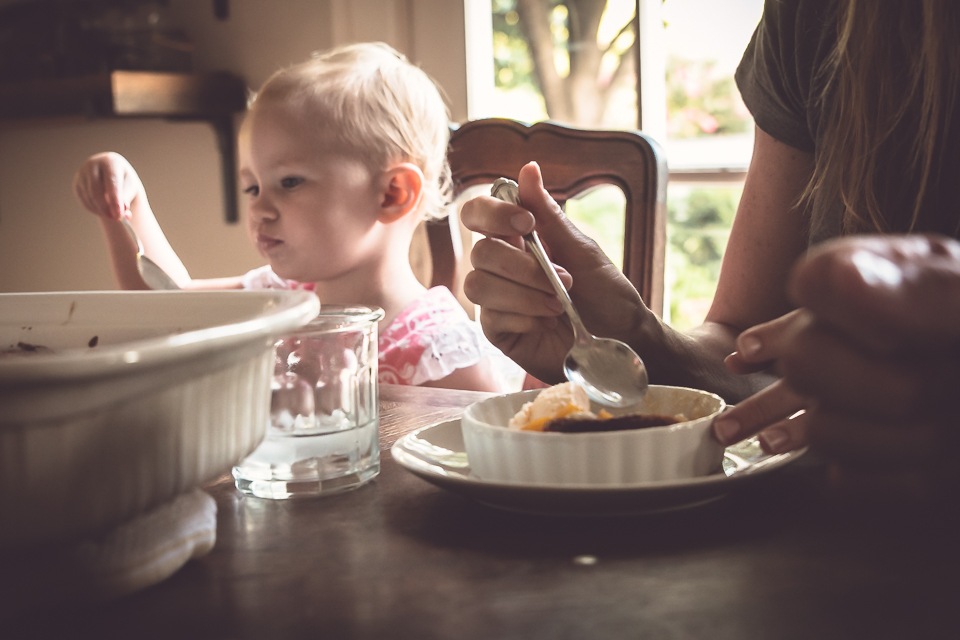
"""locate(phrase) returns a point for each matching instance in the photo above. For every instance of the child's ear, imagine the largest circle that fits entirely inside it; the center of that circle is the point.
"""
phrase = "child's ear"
(401, 192)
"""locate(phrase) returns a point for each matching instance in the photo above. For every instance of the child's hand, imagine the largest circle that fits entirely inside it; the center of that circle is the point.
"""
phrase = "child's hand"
(107, 184)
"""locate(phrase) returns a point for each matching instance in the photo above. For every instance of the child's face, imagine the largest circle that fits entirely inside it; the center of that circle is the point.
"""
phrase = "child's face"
(312, 209)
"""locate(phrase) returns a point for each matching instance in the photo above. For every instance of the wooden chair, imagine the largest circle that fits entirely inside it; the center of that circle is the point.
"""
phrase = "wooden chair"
(573, 161)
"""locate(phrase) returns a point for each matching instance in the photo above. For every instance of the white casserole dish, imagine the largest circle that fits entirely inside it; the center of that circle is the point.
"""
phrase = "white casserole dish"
(175, 391)
(606, 458)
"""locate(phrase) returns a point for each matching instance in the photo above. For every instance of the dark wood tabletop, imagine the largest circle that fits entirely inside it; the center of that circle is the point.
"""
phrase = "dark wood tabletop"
(402, 558)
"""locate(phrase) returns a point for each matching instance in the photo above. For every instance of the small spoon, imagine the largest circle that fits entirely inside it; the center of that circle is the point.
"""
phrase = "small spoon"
(155, 277)
(609, 371)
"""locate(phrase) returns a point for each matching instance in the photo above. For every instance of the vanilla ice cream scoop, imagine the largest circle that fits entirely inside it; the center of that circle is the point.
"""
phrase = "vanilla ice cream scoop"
(560, 401)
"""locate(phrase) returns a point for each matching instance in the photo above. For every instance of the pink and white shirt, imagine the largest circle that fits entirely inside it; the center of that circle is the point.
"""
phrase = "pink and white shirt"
(429, 340)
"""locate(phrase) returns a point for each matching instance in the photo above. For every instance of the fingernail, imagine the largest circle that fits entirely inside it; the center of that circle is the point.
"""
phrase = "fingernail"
(774, 439)
(750, 345)
(726, 430)
(876, 270)
(522, 222)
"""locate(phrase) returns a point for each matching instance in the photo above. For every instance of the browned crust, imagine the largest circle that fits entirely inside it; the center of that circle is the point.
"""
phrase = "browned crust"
(622, 423)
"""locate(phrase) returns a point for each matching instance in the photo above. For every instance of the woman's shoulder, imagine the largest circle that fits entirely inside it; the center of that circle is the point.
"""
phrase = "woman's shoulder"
(798, 19)
(780, 75)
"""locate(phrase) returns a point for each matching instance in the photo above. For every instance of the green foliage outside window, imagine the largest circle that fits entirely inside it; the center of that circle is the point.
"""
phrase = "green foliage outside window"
(515, 85)
(599, 214)
(698, 225)
(512, 65)
(699, 103)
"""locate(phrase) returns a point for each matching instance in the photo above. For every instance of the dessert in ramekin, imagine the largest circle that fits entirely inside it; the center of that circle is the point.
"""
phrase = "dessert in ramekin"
(624, 456)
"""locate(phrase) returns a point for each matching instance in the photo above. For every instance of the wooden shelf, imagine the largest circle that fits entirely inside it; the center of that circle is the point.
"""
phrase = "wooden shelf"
(213, 98)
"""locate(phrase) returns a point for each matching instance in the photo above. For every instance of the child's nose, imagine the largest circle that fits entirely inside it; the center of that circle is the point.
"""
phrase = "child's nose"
(262, 209)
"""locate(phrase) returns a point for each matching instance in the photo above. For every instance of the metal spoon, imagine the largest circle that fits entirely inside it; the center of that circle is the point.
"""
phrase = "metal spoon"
(609, 371)
(150, 271)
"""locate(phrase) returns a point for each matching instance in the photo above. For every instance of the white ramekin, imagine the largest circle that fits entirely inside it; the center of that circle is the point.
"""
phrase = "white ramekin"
(607, 458)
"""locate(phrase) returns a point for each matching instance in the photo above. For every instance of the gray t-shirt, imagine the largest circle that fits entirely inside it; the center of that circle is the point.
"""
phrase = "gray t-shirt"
(781, 82)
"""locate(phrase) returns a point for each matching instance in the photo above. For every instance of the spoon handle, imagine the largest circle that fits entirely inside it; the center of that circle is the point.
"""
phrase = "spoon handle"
(507, 191)
(133, 234)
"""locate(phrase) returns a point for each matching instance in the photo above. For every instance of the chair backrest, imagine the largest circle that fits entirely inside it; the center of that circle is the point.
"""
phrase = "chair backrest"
(572, 160)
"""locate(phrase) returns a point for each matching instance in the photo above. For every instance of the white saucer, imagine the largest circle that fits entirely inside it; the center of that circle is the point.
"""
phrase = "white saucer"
(437, 455)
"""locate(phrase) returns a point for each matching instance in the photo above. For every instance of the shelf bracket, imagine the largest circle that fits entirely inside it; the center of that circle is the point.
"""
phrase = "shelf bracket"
(213, 97)
(226, 144)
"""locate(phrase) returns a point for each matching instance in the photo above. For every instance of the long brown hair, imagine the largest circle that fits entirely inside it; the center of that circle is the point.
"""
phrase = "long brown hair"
(890, 88)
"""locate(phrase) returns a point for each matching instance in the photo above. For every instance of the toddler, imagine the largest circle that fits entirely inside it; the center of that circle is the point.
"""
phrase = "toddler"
(340, 158)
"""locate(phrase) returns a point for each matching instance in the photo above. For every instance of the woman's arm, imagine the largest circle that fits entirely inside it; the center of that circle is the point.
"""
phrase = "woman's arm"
(769, 233)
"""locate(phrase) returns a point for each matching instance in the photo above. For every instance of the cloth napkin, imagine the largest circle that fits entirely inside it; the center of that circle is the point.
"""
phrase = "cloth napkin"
(148, 549)
(134, 555)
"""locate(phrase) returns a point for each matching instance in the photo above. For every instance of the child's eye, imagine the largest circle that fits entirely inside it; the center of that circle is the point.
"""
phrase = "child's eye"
(290, 183)
(252, 190)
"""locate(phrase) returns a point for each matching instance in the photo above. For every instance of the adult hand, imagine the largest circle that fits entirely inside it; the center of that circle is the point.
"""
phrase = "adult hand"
(883, 360)
(107, 184)
(777, 411)
(519, 311)
(875, 359)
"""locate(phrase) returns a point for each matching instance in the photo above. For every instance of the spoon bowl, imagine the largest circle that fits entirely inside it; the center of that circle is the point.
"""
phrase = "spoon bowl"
(155, 277)
(609, 371)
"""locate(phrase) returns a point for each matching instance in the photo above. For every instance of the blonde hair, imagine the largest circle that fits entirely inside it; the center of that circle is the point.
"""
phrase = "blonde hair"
(890, 89)
(375, 105)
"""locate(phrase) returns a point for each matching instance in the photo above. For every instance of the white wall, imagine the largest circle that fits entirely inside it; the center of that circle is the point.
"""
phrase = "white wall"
(429, 32)
(48, 242)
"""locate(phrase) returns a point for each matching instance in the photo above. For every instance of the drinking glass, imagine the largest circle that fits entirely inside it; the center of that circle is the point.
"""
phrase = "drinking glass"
(324, 417)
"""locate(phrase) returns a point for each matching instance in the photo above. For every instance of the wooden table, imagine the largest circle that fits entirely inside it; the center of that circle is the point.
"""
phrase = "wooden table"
(401, 558)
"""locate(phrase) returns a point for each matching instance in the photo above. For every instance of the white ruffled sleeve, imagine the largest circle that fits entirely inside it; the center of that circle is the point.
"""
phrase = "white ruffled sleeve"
(450, 347)
(262, 278)
(458, 342)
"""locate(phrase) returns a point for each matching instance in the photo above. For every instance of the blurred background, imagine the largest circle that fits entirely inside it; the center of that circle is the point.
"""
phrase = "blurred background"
(689, 100)
(571, 61)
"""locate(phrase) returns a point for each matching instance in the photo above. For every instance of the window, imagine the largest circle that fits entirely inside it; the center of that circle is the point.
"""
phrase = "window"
(574, 61)
(571, 61)
(709, 141)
